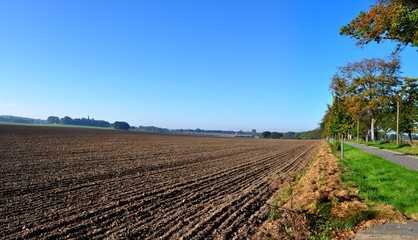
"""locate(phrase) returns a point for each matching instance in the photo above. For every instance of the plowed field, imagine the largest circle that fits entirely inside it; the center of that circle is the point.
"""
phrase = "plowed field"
(71, 183)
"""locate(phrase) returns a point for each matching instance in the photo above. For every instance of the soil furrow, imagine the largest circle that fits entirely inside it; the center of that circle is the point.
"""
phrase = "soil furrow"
(84, 183)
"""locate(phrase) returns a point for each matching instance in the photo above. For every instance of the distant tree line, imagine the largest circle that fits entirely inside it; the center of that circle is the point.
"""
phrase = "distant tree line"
(88, 122)
(152, 129)
(253, 132)
(78, 121)
(198, 130)
(121, 125)
(14, 119)
(273, 135)
(314, 134)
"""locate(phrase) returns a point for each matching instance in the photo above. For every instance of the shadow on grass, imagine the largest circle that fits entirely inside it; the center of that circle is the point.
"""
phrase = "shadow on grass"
(386, 145)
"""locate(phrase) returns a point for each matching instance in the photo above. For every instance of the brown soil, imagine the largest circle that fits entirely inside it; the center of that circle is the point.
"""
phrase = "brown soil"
(61, 183)
(321, 183)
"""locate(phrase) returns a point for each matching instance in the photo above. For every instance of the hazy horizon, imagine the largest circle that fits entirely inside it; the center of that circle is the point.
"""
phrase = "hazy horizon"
(234, 65)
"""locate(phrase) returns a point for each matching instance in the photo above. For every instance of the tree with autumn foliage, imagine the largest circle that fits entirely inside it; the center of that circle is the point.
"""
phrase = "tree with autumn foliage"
(362, 92)
(395, 20)
(409, 107)
(340, 121)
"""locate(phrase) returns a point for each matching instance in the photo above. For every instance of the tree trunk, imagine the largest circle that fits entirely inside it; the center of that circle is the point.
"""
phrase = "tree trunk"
(372, 130)
(410, 138)
(385, 134)
(342, 146)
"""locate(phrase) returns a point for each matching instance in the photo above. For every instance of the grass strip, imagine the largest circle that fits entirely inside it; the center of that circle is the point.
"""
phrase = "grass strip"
(382, 181)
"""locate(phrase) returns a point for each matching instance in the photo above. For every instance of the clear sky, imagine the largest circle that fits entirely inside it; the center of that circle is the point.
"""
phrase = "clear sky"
(218, 64)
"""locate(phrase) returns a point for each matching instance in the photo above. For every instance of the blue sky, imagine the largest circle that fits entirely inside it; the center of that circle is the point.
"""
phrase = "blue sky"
(227, 65)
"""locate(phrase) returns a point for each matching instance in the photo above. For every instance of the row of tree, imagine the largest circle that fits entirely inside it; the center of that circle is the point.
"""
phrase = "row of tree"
(196, 131)
(367, 96)
(152, 129)
(314, 134)
(371, 96)
(25, 120)
(87, 122)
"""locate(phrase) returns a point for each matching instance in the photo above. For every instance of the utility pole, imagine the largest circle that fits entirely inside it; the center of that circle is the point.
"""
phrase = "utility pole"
(358, 129)
(397, 123)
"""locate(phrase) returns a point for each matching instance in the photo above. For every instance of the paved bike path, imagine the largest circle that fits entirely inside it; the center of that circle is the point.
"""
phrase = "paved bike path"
(390, 230)
(398, 158)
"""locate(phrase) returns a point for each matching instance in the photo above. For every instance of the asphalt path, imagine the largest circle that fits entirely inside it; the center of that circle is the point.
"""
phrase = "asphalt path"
(398, 158)
(390, 230)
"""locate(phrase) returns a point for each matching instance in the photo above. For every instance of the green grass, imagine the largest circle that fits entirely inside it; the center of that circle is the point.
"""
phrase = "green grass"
(379, 180)
(274, 211)
(403, 147)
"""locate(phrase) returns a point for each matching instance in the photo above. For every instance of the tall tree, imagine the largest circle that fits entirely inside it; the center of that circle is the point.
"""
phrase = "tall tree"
(67, 120)
(395, 20)
(276, 135)
(340, 121)
(409, 107)
(324, 125)
(121, 125)
(356, 108)
(366, 87)
(53, 120)
(266, 134)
